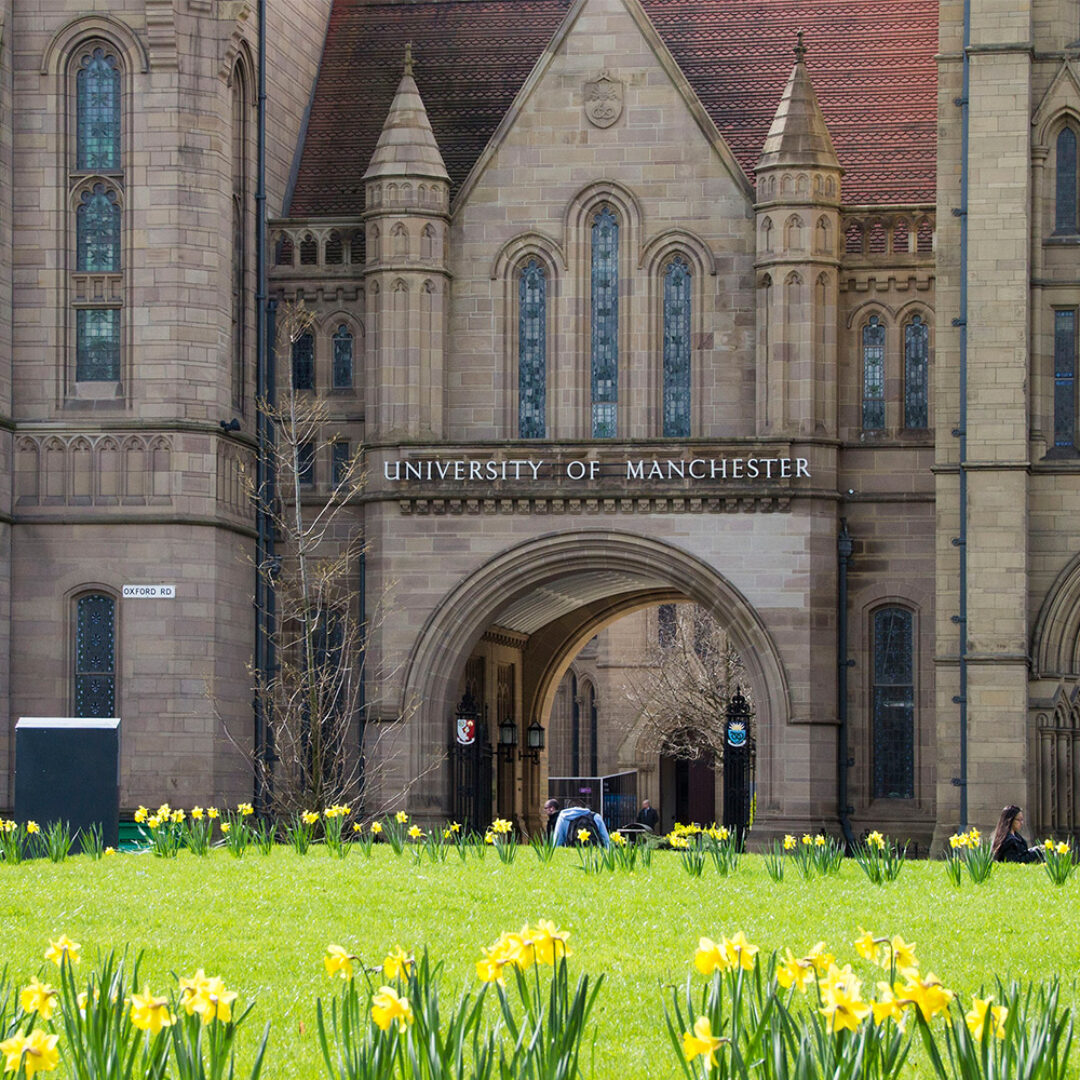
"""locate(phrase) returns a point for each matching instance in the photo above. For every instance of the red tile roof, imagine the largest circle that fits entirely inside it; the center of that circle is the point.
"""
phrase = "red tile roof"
(871, 61)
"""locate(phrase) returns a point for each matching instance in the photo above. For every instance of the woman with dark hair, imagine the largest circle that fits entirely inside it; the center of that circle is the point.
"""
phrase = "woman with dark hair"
(1009, 844)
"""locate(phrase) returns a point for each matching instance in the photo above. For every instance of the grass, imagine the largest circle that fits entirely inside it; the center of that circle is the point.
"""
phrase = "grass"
(263, 923)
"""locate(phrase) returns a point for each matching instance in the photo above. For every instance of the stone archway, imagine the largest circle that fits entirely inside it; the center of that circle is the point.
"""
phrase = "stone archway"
(560, 590)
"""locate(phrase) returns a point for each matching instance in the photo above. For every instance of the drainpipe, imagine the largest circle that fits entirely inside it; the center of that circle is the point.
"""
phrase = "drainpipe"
(844, 761)
(264, 541)
(960, 431)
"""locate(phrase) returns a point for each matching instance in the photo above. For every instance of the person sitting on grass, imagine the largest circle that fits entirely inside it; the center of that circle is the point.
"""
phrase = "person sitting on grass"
(575, 819)
(1009, 844)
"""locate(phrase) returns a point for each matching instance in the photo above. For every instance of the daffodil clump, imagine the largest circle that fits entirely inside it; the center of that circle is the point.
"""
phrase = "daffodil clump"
(1059, 860)
(111, 1026)
(880, 858)
(969, 851)
(803, 1014)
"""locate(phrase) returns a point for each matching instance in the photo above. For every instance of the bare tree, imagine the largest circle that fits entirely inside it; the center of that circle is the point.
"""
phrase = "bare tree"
(683, 689)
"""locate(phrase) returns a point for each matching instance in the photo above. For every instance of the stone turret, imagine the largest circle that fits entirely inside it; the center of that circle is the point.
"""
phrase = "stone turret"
(798, 226)
(407, 215)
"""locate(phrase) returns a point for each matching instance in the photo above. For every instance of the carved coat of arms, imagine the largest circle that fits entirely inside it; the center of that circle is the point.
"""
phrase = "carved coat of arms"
(465, 730)
(603, 100)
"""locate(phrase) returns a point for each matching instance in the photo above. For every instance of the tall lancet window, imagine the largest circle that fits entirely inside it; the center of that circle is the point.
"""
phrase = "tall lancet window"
(97, 286)
(916, 372)
(677, 349)
(894, 704)
(605, 324)
(1065, 377)
(873, 349)
(98, 112)
(1065, 194)
(95, 656)
(532, 351)
(343, 358)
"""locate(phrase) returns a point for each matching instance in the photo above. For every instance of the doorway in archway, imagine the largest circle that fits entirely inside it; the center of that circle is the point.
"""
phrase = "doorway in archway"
(688, 789)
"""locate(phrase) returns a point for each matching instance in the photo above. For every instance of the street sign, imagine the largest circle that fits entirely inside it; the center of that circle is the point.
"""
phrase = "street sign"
(149, 592)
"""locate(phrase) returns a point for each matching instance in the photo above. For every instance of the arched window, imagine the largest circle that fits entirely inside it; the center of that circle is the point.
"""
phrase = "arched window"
(97, 95)
(605, 324)
(94, 689)
(893, 703)
(666, 626)
(873, 350)
(303, 362)
(98, 219)
(97, 230)
(1065, 194)
(343, 358)
(677, 349)
(916, 372)
(240, 233)
(532, 351)
(1065, 377)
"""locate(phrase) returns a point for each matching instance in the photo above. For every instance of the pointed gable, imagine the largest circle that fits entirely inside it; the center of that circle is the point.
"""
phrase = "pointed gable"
(873, 70)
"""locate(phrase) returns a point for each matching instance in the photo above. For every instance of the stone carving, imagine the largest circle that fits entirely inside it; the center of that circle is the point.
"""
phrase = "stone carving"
(604, 100)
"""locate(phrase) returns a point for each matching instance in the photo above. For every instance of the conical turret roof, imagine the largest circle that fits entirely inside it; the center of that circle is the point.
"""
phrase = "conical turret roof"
(798, 135)
(407, 145)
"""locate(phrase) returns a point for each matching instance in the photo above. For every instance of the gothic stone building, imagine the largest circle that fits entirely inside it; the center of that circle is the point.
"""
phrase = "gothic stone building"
(628, 305)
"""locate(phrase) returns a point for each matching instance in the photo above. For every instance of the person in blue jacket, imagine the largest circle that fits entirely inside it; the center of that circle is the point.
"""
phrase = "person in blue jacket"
(574, 818)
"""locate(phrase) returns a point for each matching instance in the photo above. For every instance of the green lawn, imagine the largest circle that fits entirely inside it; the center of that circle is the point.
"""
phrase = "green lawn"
(263, 923)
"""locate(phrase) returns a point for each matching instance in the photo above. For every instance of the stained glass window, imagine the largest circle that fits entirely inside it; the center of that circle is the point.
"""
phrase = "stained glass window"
(97, 345)
(1065, 201)
(916, 373)
(677, 349)
(666, 626)
(305, 463)
(873, 410)
(95, 656)
(97, 96)
(894, 704)
(605, 324)
(343, 358)
(97, 229)
(340, 456)
(303, 362)
(532, 351)
(1065, 377)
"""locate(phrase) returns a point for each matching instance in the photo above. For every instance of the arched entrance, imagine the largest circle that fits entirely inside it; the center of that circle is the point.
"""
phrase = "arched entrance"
(553, 594)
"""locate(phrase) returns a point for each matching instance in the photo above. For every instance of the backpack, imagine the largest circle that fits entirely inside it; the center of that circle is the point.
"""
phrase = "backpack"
(583, 819)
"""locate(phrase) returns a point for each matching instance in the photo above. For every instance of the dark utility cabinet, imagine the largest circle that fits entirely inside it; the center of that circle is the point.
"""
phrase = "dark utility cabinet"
(68, 769)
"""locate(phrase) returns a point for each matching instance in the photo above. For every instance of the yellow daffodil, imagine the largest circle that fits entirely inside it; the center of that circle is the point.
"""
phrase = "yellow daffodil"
(178, 817)
(141, 815)
(887, 1007)
(149, 1013)
(397, 964)
(794, 972)
(584, 836)
(876, 840)
(957, 841)
(502, 827)
(61, 947)
(154, 821)
(807, 839)
(489, 838)
(1062, 848)
(164, 810)
(455, 826)
(981, 1014)
(34, 1052)
(489, 969)
(386, 1007)
(225, 827)
(618, 839)
(357, 827)
(212, 1001)
(680, 843)
(376, 827)
(740, 952)
(196, 813)
(32, 827)
(1048, 844)
(974, 835)
(415, 832)
(338, 962)
(866, 946)
(109, 851)
(701, 1042)
(401, 817)
(212, 813)
(927, 994)
(841, 1004)
(820, 958)
(711, 957)
(245, 809)
(789, 842)
(819, 840)
(903, 955)
(548, 942)
(40, 998)
(309, 817)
